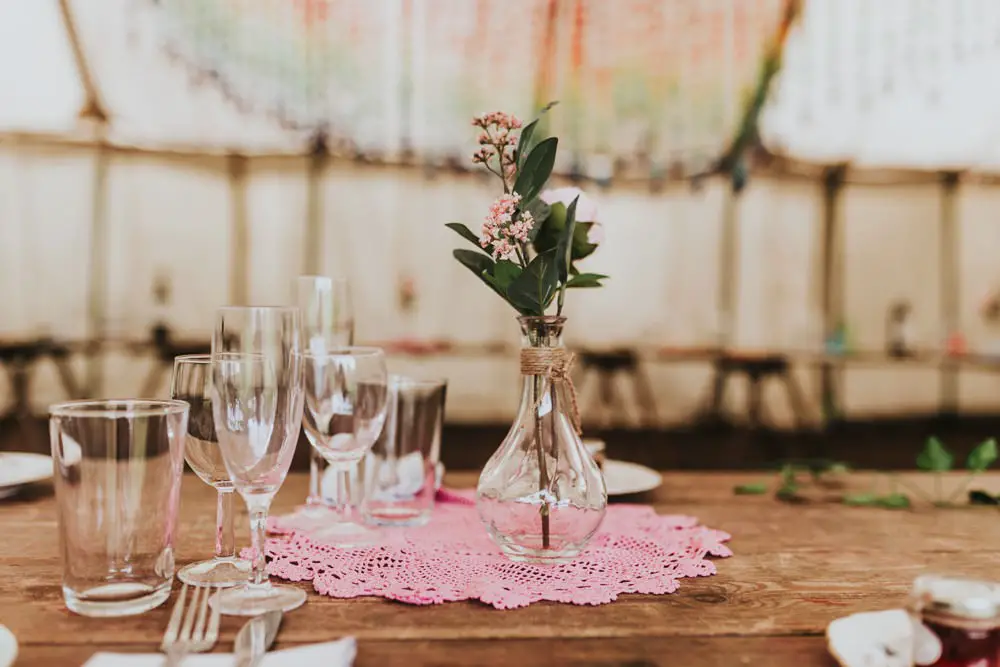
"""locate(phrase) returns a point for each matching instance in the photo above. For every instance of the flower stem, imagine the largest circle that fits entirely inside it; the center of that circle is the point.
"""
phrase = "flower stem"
(543, 473)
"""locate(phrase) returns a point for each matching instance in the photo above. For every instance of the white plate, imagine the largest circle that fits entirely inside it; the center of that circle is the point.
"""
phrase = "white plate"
(8, 647)
(623, 478)
(887, 638)
(19, 468)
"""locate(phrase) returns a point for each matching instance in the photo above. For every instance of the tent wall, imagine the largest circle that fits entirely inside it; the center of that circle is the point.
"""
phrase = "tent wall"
(174, 218)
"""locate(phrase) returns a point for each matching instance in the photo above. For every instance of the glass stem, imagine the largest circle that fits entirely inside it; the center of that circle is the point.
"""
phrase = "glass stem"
(225, 540)
(342, 501)
(315, 479)
(543, 474)
(258, 536)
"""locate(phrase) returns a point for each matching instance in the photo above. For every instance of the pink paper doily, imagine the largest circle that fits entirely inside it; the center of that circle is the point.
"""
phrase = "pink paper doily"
(452, 558)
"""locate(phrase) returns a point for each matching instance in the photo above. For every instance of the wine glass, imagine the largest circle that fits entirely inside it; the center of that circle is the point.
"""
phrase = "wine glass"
(345, 407)
(192, 382)
(257, 404)
(327, 321)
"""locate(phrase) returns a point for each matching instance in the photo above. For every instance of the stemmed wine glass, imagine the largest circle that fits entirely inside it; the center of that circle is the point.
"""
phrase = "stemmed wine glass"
(257, 404)
(345, 408)
(327, 321)
(192, 382)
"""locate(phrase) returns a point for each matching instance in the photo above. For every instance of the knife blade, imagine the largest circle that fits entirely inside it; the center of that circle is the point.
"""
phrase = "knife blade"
(255, 637)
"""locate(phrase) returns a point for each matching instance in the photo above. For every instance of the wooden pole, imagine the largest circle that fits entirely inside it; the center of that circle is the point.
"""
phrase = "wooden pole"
(948, 245)
(239, 276)
(93, 113)
(728, 267)
(97, 271)
(93, 107)
(831, 284)
(313, 251)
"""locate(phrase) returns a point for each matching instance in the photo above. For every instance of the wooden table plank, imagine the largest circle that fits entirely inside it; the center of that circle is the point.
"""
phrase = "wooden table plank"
(795, 569)
(686, 651)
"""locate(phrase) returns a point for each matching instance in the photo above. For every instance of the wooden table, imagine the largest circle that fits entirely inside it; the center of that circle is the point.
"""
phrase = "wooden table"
(796, 568)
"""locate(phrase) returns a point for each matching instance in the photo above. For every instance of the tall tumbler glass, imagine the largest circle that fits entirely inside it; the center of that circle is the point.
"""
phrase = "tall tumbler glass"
(401, 467)
(327, 322)
(118, 467)
(257, 407)
(192, 382)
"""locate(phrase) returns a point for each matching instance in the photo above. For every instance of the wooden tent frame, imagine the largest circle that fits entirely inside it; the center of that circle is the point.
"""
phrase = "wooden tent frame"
(317, 159)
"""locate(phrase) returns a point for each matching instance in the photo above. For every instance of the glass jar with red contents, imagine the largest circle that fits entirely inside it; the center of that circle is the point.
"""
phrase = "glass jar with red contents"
(961, 622)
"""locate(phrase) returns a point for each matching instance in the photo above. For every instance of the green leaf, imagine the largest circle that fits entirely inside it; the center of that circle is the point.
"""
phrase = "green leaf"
(536, 170)
(983, 456)
(482, 266)
(977, 497)
(787, 474)
(757, 489)
(789, 486)
(524, 143)
(540, 211)
(934, 457)
(893, 501)
(787, 492)
(564, 248)
(476, 262)
(861, 499)
(581, 246)
(548, 234)
(505, 272)
(464, 232)
(586, 280)
(532, 291)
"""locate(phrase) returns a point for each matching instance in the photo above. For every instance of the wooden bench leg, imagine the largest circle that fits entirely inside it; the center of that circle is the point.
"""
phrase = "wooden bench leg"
(153, 379)
(645, 396)
(797, 401)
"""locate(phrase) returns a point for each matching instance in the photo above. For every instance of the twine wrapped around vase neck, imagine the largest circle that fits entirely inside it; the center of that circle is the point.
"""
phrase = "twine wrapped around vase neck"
(554, 363)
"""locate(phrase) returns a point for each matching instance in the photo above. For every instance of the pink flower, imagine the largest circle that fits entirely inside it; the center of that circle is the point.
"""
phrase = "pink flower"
(505, 226)
(499, 137)
(586, 208)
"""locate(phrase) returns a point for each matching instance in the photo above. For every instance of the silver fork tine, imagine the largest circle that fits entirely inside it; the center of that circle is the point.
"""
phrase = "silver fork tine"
(185, 636)
(213, 622)
(198, 636)
(170, 636)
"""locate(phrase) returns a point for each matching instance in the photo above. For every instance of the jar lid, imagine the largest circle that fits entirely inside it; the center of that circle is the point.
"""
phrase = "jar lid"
(961, 599)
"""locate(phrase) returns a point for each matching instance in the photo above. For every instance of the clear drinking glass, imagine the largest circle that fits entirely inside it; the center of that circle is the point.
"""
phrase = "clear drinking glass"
(401, 467)
(257, 405)
(192, 382)
(327, 321)
(118, 467)
(344, 413)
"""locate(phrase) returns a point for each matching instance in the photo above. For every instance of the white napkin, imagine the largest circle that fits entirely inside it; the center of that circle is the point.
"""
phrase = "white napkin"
(890, 638)
(330, 654)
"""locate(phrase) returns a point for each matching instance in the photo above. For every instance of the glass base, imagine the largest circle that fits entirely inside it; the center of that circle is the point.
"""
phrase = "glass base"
(218, 572)
(309, 518)
(346, 535)
(253, 600)
(539, 556)
(398, 516)
(124, 599)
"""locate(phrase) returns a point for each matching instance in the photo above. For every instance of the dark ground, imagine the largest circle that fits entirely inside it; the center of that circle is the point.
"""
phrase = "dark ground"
(883, 444)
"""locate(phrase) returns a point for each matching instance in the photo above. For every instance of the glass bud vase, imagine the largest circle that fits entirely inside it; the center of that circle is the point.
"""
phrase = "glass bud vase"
(541, 496)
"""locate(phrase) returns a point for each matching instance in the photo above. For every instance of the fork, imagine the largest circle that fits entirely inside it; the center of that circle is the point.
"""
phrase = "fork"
(185, 634)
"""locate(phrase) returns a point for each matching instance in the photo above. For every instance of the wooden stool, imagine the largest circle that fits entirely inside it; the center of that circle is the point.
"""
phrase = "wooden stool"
(610, 401)
(757, 367)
